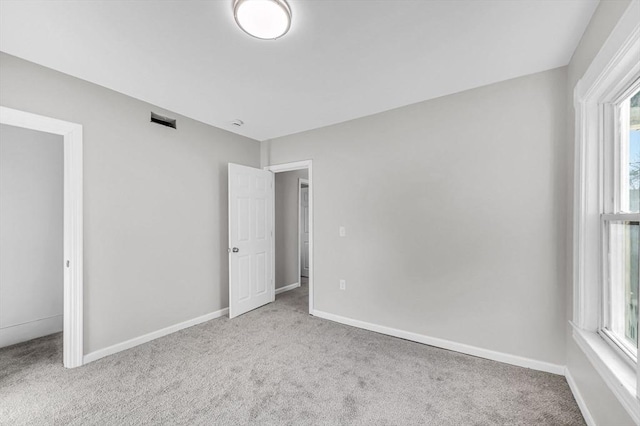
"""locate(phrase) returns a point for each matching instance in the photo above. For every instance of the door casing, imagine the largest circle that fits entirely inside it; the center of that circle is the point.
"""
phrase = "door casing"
(72, 352)
(287, 167)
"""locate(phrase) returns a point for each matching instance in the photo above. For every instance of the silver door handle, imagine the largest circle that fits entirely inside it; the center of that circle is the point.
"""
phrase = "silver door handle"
(235, 249)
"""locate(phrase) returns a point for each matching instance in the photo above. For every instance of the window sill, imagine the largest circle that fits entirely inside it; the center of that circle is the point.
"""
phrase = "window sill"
(617, 374)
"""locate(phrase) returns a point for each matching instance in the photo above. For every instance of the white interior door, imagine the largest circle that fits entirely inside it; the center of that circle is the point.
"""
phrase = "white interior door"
(304, 231)
(251, 198)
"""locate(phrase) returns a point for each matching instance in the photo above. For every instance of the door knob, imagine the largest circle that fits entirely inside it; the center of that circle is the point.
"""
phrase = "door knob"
(235, 249)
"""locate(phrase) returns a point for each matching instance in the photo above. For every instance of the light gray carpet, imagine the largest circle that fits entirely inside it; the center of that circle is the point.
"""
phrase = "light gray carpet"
(276, 365)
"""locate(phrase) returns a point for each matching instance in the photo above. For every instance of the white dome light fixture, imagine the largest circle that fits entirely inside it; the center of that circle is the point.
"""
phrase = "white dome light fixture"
(263, 19)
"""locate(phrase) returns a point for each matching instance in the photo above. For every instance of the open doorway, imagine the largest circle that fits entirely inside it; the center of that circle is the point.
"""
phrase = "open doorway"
(31, 218)
(291, 222)
(293, 218)
(303, 229)
(58, 227)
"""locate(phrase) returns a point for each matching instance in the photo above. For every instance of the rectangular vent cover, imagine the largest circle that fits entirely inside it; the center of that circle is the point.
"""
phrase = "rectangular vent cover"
(165, 121)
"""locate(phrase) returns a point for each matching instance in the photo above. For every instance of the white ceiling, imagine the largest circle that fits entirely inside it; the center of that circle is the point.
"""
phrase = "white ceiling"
(341, 60)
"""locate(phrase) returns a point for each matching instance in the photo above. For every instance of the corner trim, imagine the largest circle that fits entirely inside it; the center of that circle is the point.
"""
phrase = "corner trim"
(128, 344)
(287, 288)
(447, 344)
(588, 418)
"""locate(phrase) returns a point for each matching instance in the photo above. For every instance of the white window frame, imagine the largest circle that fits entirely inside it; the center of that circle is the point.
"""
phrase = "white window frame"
(614, 184)
(596, 95)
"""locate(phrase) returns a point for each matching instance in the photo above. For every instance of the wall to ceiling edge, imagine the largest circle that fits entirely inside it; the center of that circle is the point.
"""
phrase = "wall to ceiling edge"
(155, 203)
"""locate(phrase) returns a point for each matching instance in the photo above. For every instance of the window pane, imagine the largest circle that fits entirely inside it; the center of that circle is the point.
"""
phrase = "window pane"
(623, 283)
(631, 142)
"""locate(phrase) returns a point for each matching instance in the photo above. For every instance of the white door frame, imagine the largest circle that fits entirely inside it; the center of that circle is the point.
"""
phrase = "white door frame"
(287, 167)
(72, 233)
(300, 183)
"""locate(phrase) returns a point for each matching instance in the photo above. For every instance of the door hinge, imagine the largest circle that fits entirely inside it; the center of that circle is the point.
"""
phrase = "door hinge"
(67, 263)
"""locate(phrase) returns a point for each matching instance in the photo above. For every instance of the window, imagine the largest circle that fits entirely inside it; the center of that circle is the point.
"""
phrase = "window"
(607, 212)
(621, 224)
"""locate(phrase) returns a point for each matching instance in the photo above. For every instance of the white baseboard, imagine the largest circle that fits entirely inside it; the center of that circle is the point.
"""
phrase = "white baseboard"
(287, 288)
(447, 344)
(588, 418)
(30, 330)
(118, 347)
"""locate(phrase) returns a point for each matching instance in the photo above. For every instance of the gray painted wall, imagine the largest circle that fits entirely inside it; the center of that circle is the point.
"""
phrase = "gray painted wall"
(603, 405)
(444, 237)
(155, 203)
(455, 215)
(31, 245)
(286, 220)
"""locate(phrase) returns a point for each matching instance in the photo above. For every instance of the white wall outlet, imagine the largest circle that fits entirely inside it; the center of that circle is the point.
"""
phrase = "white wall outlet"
(343, 284)
(343, 231)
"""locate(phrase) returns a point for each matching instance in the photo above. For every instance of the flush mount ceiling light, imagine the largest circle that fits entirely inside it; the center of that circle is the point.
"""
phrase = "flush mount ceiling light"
(263, 19)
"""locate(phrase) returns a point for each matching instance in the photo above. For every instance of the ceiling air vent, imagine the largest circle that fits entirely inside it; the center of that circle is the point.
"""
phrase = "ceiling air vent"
(165, 121)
